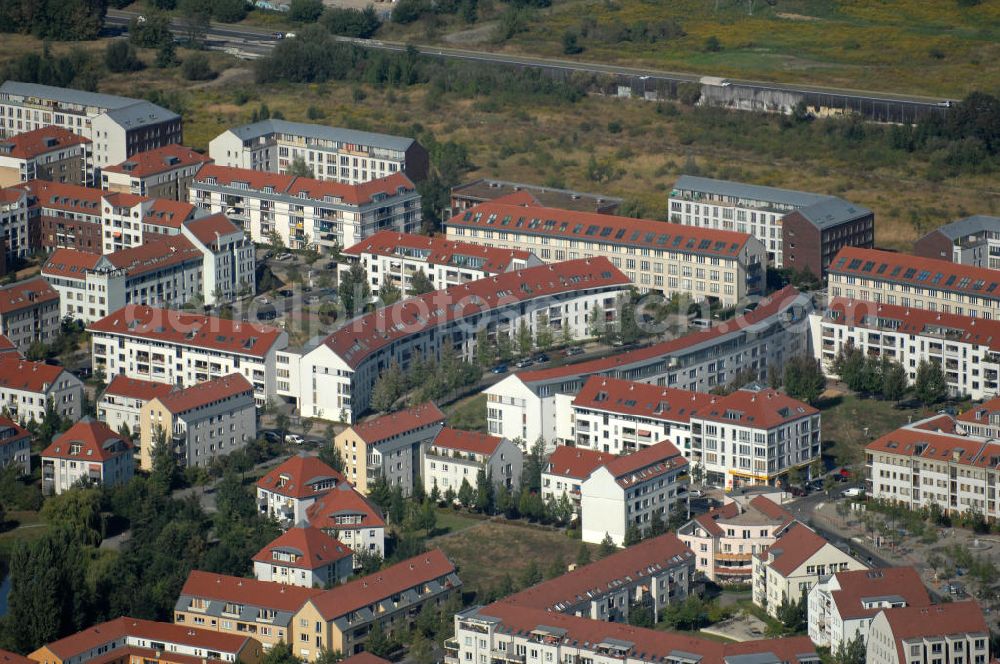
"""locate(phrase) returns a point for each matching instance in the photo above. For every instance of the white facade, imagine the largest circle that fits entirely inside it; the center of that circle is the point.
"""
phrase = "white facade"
(15, 446)
(29, 312)
(229, 268)
(14, 222)
(451, 459)
(952, 633)
(27, 387)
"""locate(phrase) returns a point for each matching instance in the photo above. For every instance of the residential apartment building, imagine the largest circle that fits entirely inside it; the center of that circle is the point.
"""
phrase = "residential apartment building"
(911, 281)
(236, 606)
(305, 211)
(620, 416)
(200, 423)
(952, 633)
(822, 223)
(966, 348)
(754, 436)
(696, 262)
(135, 640)
(972, 241)
(842, 605)
(47, 153)
(342, 155)
(391, 598)
(14, 228)
(456, 457)
(349, 517)
(982, 420)
(184, 349)
(630, 491)
(389, 446)
(395, 258)
(229, 267)
(89, 452)
(304, 556)
(164, 172)
(928, 463)
(29, 313)
(471, 194)
(27, 388)
(787, 570)
(538, 403)
(726, 538)
(118, 127)
(565, 471)
(15, 446)
(291, 488)
(338, 375)
(121, 403)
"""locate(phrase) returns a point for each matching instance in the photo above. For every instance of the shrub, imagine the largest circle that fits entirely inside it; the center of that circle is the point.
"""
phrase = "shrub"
(197, 68)
(119, 56)
(351, 22)
(713, 45)
(305, 11)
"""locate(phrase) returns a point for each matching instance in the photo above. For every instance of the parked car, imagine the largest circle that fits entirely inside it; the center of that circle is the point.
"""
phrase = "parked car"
(331, 265)
(696, 493)
(277, 35)
(269, 435)
(541, 358)
(294, 438)
(853, 492)
(797, 491)
(573, 350)
(524, 364)
(499, 369)
(285, 292)
(283, 256)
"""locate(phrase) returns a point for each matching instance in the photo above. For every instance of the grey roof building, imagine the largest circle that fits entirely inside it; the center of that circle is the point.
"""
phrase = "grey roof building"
(973, 240)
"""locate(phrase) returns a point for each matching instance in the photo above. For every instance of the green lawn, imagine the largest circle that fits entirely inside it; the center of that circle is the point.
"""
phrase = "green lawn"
(449, 521)
(29, 526)
(468, 414)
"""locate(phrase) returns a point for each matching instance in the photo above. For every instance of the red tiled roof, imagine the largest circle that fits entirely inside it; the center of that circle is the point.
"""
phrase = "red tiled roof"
(364, 658)
(209, 229)
(628, 397)
(602, 576)
(10, 432)
(760, 504)
(603, 228)
(467, 441)
(793, 548)
(345, 499)
(6, 345)
(392, 424)
(67, 197)
(575, 462)
(97, 442)
(908, 269)
(709, 520)
(366, 334)
(314, 548)
(20, 374)
(980, 414)
(646, 463)
(385, 583)
(907, 320)
(166, 212)
(941, 424)
(8, 657)
(123, 200)
(771, 509)
(440, 251)
(34, 143)
(770, 306)
(188, 329)
(210, 391)
(937, 620)
(967, 451)
(24, 294)
(857, 585)
(70, 263)
(155, 254)
(300, 472)
(12, 194)
(759, 409)
(133, 388)
(353, 194)
(249, 592)
(158, 160)
(226, 175)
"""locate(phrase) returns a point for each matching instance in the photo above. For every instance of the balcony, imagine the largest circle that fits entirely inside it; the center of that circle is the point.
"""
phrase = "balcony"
(501, 656)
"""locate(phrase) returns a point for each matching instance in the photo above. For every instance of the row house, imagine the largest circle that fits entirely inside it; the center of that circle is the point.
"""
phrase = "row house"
(118, 127)
(394, 259)
(966, 348)
(306, 212)
(566, 469)
(703, 264)
(726, 538)
(455, 457)
(538, 404)
(389, 446)
(631, 491)
(348, 156)
(184, 349)
(164, 172)
(200, 423)
(913, 281)
(47, 153)
(800, 230)
(973, 241)
(337, 377)
(28, 389)
(120, 405)
(29, 313)
(304, 556)
(89, 452)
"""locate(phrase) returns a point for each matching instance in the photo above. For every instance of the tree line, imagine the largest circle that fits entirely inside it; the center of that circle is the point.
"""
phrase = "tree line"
(885, 378)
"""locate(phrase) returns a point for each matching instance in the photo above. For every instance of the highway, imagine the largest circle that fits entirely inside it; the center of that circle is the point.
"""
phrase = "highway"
(258, 41)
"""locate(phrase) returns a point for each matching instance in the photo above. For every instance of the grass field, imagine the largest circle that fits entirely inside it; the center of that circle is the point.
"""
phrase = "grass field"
(29, 526)
(468, 414)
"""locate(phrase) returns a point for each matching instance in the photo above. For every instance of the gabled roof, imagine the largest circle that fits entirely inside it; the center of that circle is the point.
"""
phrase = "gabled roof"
(210, 228)
(575, 462)
(974, 225)
(741, 190)
(8, 657)
(209, 392)
(981, 413)
(321, 132)
(399, 422)
(158, 160)
(437, 250)
(941, 447)
(312, 547)
(628, 397)
(646, 463)
(134, 388)
(309, 189)
(467, 441)
(96, 440)
(795, 546)
(188, 329)
(169, 213)
(832, 211)
(11, 431)
(70, 263)
(8, 346)
(756, 407)
(247, 591)
(365, 658)
(34, 143)
(344, 500)
(24, 294)
(858, 587)
(952, 618)
(155, 254)
(413, 572)
(65, 197)
(20, 374)
(298, 476)
(502, 216)
(917, 271)
(759, 510)
(487, 189)
(366, 334)
(226, 175)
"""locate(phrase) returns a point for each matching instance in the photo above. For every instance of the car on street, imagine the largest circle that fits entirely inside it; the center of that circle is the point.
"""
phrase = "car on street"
(573, 350)
(798, 491)
(695, 493)
(541, 358)
(285, 292)
(294, 438)
(283, 256)
(499, 369)
(269, 435)
(524, 364)
(277, 35)
(853, 492)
